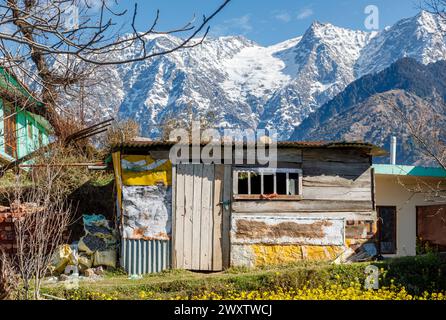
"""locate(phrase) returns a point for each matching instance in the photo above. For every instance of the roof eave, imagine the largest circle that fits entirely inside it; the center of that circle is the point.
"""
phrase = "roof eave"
(369, 149)
(409, 171)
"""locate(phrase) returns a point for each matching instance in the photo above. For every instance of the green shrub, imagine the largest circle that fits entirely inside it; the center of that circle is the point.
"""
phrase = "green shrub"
(417, 274)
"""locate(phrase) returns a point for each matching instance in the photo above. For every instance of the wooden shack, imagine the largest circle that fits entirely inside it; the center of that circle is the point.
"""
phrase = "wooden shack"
(317, 203)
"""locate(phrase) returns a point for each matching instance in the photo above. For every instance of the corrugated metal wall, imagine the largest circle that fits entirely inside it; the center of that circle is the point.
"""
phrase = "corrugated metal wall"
(145, 256)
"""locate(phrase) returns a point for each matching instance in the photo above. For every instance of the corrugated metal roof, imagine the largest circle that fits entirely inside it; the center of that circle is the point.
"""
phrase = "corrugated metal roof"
(144, 144)
(311, 144)
(375, 150)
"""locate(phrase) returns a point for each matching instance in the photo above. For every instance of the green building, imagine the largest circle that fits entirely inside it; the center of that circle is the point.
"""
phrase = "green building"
(22, 129)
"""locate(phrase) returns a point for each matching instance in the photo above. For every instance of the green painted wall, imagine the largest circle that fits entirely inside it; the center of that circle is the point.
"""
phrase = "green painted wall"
(32, 131)
(2, 133)
(28, 129)
(28, 138)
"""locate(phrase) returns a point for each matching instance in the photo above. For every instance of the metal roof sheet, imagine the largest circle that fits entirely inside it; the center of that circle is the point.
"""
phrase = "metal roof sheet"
(374, 150)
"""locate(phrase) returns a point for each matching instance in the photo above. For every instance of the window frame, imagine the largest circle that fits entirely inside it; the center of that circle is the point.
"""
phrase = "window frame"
(10, 128)
(263, 172)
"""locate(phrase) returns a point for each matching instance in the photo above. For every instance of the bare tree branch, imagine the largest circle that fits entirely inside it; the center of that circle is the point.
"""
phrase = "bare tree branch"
(36, 40)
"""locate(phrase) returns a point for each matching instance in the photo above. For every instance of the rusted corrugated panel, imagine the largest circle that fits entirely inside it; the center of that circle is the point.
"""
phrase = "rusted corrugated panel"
(151, 144)
(281, 144)
(287, 230)
(145, 256)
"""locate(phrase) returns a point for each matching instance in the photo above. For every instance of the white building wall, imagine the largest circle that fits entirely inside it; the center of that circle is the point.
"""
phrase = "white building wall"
(399, 191)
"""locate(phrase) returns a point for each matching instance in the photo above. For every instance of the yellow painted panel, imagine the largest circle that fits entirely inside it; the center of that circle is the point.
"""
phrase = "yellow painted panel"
(276, 254)
(146, 178)
(116, 157)
(284, 254)
(322, 253)
(143, 170)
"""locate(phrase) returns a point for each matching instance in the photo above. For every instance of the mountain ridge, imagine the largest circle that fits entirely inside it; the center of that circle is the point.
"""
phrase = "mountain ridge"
(375, 107)
(251, 86)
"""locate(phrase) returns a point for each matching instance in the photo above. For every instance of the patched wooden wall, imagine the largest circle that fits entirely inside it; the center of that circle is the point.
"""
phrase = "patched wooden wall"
(212, 230)
(338, 186)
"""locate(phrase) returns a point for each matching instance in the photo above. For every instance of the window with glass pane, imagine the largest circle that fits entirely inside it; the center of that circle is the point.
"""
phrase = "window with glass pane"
(293, 184)
(265, 181)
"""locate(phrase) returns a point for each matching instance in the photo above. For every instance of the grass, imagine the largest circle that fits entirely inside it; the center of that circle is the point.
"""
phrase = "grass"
(418, 275)
(172, 283)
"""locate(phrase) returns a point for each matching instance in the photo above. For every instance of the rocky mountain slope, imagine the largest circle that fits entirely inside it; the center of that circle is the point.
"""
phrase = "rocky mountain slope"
(378, 106)
(250, 86)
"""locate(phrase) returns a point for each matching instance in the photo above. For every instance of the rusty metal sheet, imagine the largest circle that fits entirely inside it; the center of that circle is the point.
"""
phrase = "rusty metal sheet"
(287, 230)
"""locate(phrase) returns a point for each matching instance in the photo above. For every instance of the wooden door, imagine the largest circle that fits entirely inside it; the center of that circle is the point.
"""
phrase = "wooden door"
(201, 204)
(10, 129)
(387, 223)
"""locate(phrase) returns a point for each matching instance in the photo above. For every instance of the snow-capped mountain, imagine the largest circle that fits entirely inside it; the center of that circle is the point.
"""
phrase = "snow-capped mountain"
(322, 65)
(421, 37)
(165, 87)
(378, 106)
(251, 86)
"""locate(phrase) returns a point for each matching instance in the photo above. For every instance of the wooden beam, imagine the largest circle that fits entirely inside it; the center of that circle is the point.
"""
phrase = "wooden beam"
(218, 216)
(301, 206)
(347, 215)
(174, 216)
(278, 197)
(227, 211)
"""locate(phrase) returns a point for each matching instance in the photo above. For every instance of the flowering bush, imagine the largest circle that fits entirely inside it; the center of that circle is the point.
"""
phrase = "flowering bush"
(330, 292)
(92, 295)
(411, 278)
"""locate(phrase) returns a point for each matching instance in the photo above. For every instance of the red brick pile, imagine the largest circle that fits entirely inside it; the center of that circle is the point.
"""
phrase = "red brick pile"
(7, 239)
(7, 217)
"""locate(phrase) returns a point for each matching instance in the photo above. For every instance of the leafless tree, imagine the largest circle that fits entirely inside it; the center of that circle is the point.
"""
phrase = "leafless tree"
(41, 216)
(57, 44)
(426, 128)
(435, 6)
(118, 132)
(208, 120)
(122, 131)
(435, 145)
(8, 277)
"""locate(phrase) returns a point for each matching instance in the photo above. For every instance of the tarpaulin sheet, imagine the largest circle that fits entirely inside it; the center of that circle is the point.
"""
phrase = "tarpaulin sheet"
(147, 212)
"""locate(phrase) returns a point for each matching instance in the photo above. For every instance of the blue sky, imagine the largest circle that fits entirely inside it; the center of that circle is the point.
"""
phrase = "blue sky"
(272, 21)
